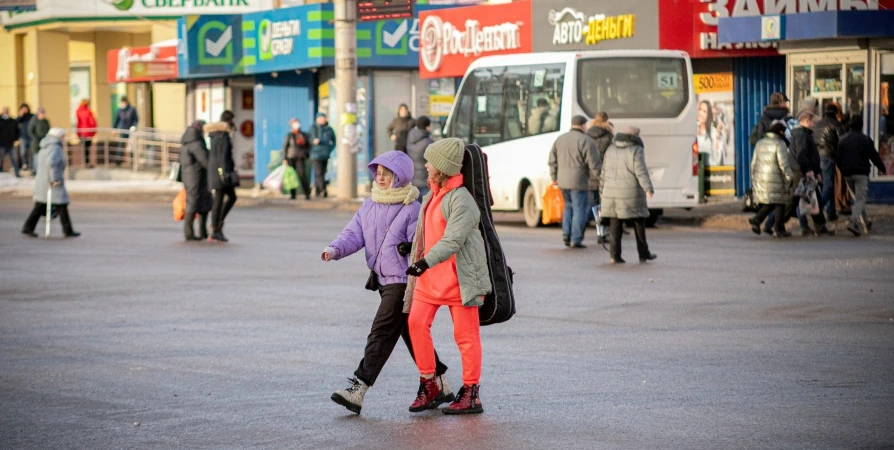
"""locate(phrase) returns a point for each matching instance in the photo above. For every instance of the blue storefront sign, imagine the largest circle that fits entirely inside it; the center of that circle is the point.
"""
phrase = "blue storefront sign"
(280, 39)
(210, 45)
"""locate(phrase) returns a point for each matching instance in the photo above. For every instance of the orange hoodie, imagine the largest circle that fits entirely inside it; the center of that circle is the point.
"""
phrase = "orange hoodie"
(439, 285)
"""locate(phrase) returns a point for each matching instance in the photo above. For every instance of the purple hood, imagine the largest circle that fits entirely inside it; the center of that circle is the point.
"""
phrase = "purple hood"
(397, 162)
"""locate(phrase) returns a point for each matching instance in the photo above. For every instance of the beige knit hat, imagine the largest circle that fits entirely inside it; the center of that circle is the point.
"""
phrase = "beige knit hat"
(446, 155)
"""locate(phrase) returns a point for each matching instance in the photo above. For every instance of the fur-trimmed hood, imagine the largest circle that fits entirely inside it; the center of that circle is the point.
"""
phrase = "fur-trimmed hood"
(217, 126)
(600, 129)
(626, 140)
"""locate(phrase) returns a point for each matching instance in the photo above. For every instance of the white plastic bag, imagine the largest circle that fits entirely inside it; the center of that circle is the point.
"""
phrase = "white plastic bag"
(273, 182)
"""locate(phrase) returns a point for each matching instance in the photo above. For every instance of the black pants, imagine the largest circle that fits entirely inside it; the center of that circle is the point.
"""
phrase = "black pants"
(221, 208)
(40, 209)
(389, 324)
(615, 230)
(87, 144)
(779, 211)
(320, 177)
(189, 218)
(300, 166)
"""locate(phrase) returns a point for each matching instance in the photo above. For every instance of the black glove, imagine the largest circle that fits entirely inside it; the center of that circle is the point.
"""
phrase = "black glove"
(404, 248)
(416, 270)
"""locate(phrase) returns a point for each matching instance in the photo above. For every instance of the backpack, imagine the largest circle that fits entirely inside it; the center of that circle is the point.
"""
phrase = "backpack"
(499, 305)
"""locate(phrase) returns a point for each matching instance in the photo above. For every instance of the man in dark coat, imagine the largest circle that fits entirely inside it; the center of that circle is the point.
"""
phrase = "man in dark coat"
(602, 131)
(855, 153)
(828, 131)
(418, 140)
(296, 150)
(126, 119)
(194, 172)
(806, 164)
(573, 164)
(9, 134)
(222, 175)
(38, 128)
(776, 110)
(323, 143)
(24, 119)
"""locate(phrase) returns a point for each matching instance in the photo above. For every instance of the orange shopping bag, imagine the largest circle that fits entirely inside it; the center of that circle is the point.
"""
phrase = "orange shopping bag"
(179, 205)
(553, 205)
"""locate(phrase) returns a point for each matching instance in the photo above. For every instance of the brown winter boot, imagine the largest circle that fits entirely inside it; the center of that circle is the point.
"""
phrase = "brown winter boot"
(427, 395)
(467, 401)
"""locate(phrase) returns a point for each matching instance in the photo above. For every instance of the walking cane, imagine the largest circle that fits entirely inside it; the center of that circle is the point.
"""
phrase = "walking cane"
(49, 210)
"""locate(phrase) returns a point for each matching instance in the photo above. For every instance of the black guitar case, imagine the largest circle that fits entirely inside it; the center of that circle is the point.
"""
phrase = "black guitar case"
(499, 305)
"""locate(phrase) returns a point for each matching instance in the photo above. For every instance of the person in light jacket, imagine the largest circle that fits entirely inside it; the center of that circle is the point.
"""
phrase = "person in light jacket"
(385, 227)
(574, 166)
(194, 172)
(771, 178)
(625, 185)
(51, 162)
(449, 269)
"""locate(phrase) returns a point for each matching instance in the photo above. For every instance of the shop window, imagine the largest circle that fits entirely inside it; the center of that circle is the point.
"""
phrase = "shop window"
(885, 141)
(855, 88)
(633, 87)
(800, 85)
(827, 79)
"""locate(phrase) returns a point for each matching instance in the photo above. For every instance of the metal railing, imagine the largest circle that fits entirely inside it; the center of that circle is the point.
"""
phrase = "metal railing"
(141, 150)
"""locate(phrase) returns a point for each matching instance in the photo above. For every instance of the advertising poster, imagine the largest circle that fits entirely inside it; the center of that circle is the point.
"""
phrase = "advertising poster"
(716, 131)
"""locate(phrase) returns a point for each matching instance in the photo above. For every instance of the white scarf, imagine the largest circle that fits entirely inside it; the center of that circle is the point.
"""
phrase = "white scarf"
(406, 195)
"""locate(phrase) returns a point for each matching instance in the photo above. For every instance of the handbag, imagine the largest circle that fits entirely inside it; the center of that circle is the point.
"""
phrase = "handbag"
(230, 179)
(175, 172)
(372, 283)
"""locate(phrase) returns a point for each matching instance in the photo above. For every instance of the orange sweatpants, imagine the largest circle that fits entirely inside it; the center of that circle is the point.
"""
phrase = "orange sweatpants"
(466, 332)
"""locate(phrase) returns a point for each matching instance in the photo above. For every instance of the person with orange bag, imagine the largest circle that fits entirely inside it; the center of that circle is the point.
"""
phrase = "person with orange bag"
(450, 270)
(574, 166)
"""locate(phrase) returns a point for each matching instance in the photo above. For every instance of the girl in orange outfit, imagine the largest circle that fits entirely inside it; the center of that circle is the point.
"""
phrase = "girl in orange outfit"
(450, 270)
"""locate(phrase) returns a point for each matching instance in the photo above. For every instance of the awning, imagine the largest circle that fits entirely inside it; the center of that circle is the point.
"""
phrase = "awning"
(806, 26)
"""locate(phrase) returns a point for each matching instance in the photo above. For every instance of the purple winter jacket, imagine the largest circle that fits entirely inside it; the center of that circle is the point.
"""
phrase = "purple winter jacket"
(366, 230)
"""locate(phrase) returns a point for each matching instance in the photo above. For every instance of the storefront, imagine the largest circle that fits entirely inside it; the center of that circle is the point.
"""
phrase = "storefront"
(60, 51)
(563, 25)
(845, 57)
(733, 83)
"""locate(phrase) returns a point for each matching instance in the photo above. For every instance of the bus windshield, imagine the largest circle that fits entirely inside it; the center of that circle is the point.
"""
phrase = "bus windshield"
(633, 87)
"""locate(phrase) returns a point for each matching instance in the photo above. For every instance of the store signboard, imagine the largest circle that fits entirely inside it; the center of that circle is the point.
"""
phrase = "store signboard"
(140, 64)
(278, 40)
(594, 25)
(691, 25)
(18, 5)
(210, 45)
(48, 10)
(451, 39)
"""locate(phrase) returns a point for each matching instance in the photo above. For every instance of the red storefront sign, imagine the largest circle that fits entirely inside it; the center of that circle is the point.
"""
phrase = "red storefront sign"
(140, 64)
(691, 25)
(453, 38)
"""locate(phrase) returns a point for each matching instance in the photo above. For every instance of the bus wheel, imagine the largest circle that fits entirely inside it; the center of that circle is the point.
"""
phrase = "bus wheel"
(533, 215)
(654, 214)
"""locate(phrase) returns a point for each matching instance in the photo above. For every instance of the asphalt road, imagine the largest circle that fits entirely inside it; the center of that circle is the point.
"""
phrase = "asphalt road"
(729, 340)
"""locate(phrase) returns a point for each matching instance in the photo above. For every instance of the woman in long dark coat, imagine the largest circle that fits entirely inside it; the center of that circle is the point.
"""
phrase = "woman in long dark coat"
(222, 175)
(194, 172)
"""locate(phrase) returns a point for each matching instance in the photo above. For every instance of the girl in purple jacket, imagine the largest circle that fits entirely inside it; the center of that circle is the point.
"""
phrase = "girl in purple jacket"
(384, 227)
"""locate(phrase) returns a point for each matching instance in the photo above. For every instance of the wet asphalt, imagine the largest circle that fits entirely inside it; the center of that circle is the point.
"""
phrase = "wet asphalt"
(129, 338)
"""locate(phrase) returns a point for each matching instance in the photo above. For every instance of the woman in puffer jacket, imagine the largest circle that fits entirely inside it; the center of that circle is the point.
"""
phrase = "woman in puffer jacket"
(450, 270)
(771, 178)
(384, 226)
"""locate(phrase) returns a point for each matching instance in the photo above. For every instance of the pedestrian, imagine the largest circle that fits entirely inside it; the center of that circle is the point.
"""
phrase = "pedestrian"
(450, 269)
(323, 144)
(51, 162)
(777, 109)
(296, 150)
(806, 164)
(86, 128)
(828, 131)
(843, 199)
(126, 120)
(771, 178)
(574, 166)
(194, 173)
(400, 127)
(9, 134)
(24, 119)
(602, 131)
(418, 140)
(38, 127)
(222, 175)
(855, 152)
(385, 227)
(625, 185)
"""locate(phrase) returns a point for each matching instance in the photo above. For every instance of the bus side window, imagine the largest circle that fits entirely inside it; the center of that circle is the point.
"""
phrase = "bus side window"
(545, 99)
(487, 112)
(515, 93)
(461, 125)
